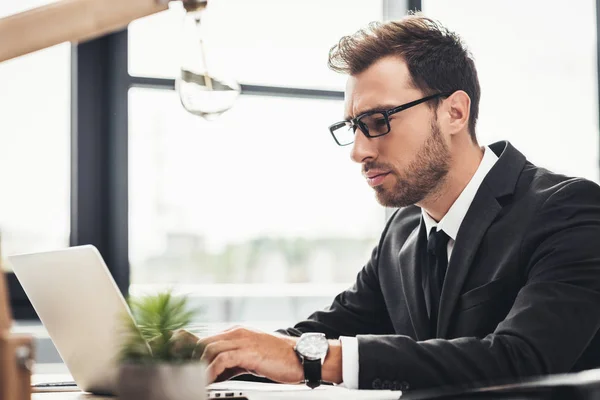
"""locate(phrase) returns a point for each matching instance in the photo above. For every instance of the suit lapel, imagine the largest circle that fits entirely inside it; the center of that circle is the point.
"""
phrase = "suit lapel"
(500, 181)
(482, 212)
(410, 273)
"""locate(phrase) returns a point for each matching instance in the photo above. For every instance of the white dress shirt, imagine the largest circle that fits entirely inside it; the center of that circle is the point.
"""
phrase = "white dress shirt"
(450, 224)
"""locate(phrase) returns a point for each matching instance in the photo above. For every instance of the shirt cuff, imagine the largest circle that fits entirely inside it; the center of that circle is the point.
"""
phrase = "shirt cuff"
(349, 361)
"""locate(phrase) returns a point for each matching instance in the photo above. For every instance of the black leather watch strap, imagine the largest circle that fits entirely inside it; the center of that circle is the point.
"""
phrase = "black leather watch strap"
(312, 372)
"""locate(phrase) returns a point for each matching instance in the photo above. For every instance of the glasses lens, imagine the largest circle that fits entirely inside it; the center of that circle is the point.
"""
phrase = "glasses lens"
(377, 124)
(344, 134)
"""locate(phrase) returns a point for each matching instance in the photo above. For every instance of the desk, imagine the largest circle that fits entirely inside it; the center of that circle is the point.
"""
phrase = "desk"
(253, 390)
(324, 393)
(582, 385)
(327, 394)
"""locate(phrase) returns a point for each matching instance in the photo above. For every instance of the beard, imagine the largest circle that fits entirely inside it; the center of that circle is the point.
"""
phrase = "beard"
(423, 176)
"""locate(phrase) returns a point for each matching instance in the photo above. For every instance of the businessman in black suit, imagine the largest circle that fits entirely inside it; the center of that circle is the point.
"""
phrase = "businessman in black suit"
(490, 268)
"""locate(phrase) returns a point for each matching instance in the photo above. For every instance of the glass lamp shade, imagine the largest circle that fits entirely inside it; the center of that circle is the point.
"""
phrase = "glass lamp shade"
(203, 91)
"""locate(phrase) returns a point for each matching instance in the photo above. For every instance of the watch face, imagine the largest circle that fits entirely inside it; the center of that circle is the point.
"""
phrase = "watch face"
(313, 346)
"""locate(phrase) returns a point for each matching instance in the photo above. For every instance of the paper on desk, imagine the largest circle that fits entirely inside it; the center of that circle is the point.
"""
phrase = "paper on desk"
(49, 378)
(243, 386)
(268, 391)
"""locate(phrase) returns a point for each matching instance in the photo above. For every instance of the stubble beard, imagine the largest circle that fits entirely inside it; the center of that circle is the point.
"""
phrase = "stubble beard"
(422, 178)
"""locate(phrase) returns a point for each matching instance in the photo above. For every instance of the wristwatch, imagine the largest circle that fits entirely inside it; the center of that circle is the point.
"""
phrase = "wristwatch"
(312, 349)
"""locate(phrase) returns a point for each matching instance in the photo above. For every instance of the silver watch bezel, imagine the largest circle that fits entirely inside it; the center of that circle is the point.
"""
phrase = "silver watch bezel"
(309, 335)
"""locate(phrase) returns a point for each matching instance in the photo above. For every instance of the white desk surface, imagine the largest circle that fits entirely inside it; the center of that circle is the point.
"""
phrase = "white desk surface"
(316, 395)
(254, 391)
(324, 393)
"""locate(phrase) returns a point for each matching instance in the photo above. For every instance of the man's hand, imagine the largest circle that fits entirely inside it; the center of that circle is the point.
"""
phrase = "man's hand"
(241, 350)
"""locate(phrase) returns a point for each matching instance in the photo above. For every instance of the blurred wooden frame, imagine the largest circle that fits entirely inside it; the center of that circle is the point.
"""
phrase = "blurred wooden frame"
(16, 354)
(70, 21)
(5, 315)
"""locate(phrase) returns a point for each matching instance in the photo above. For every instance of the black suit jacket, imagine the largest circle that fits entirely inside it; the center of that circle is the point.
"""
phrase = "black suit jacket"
(521, 295)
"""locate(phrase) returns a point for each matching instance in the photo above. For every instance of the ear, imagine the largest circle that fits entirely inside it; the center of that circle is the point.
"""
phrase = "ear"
(455, 112)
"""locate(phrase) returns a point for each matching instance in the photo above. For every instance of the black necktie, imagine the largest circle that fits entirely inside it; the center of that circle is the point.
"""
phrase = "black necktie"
(437, 262)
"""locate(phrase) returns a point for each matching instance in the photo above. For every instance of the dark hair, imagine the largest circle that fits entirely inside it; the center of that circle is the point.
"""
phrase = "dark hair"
(437, 59)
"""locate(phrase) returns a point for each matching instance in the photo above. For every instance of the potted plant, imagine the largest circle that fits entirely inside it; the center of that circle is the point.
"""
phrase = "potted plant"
(158, 361)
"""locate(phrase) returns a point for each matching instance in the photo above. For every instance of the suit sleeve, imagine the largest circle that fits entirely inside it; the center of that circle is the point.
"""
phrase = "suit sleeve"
(552, 321)
(358, 310)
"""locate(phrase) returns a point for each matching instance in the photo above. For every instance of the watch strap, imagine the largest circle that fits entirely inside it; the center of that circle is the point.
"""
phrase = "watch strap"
(312, 372)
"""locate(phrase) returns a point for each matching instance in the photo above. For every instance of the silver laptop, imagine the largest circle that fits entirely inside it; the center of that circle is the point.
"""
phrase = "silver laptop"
(82, 308)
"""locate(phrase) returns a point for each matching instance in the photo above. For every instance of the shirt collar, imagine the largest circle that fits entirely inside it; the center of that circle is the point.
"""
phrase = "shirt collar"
(451, 222)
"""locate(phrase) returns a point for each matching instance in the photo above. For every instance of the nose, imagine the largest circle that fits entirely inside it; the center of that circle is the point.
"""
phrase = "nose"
(363, 148)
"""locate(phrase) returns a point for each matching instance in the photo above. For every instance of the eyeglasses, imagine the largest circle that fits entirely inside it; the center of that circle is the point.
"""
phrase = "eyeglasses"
(372, 123)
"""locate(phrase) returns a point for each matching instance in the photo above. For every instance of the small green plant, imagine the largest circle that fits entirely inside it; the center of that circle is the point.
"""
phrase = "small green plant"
(154, 336)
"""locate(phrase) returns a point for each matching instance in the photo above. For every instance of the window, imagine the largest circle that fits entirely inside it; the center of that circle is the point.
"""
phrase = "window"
(260, 212)
(254, 197)
(539, 82)
(34, 147)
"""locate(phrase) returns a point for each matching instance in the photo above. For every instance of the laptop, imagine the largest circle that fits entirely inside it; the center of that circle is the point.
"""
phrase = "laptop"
(82, 309)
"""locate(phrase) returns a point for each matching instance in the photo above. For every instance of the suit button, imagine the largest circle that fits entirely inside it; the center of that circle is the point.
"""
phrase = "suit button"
(377, 384)
(404, 386)
(387, 385)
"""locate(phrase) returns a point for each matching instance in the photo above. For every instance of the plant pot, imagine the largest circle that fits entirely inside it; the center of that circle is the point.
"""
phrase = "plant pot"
(162, 381)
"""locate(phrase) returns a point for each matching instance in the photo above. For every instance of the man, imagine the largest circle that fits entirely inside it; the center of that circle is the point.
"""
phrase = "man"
(490, 268)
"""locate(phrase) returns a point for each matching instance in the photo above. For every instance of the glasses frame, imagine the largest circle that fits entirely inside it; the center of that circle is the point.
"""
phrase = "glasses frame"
(356, 122)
